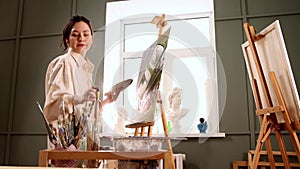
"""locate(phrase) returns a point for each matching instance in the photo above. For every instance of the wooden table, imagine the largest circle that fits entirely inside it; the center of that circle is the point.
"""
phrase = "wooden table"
(50, 154)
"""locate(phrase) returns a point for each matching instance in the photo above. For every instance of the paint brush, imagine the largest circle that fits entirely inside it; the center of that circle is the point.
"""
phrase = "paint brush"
(52, 137)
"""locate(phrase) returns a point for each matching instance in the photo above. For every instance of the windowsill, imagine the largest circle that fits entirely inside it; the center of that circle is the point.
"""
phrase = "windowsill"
(200, 135)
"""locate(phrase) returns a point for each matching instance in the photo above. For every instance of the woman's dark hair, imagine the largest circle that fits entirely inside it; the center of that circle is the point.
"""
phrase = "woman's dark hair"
(68, 27)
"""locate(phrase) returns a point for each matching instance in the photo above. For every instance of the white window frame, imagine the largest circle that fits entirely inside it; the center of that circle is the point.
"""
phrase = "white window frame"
(211, 50)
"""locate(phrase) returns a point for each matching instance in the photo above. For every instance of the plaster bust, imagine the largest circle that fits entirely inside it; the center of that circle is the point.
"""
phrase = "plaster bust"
(176, 112)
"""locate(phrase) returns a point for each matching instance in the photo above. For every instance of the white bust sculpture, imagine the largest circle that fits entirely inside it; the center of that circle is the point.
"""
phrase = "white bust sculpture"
(175, 112)
(121, 119)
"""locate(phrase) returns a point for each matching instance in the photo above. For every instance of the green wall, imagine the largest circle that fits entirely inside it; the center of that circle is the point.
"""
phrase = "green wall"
(30, 37)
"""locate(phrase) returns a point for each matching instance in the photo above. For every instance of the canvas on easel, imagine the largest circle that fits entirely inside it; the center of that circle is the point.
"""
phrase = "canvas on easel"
(148, 82)
(274, 90)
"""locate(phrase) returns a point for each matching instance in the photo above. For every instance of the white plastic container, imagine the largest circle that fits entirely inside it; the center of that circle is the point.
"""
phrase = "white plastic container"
(137, 144)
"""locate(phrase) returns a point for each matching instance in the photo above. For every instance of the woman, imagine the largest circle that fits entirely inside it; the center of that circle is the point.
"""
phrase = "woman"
(68, 83)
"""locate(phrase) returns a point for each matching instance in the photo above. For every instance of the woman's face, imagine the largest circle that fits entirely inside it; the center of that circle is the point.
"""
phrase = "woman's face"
(80, 39)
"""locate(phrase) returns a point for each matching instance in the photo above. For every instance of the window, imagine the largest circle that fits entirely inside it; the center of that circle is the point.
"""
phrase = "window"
(190, 64)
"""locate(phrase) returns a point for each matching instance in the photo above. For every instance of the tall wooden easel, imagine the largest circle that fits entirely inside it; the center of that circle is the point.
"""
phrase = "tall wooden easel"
(266, 114)
(160, 23)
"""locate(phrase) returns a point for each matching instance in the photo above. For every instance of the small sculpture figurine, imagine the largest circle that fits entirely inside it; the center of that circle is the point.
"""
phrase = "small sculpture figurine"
(175, 113)
(202, 126)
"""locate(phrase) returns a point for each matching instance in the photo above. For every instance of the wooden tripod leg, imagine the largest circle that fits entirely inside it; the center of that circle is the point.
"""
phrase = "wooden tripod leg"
(259, 143)
(270, 153)
(165, 126)
(283, 151)
(256, 156)
(266, 139)
(295, 142)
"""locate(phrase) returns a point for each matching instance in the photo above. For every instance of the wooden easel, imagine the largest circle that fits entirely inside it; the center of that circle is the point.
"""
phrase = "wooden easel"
(267, 117)
(141, 127)
(160, 24)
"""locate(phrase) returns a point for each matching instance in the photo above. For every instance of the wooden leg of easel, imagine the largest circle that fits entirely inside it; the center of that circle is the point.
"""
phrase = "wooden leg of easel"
(296, 143)
(256, 156)
(249, 159)
(270, 153)
(283, 151)
(165, 126)
(259, 144)
(266, 139)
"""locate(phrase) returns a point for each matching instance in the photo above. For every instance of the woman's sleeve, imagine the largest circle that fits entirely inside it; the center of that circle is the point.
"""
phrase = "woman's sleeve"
(58, 87)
